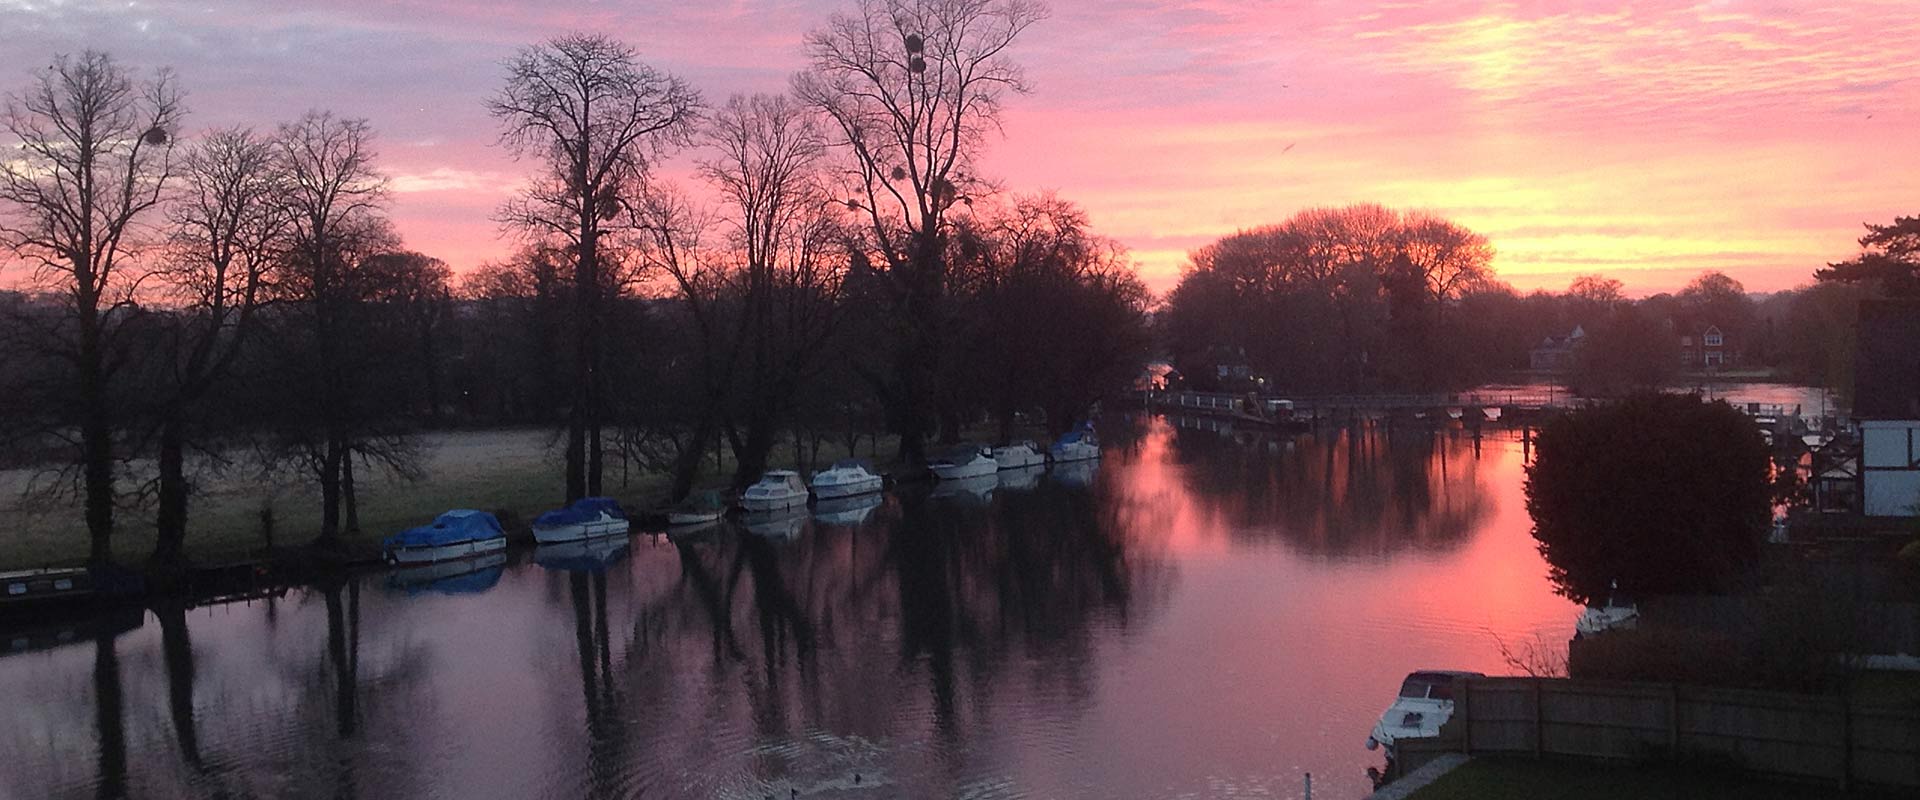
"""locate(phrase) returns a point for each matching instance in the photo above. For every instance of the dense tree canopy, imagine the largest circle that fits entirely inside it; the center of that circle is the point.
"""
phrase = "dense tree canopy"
(1664, 493)
(1333, 299)
(1890, 263)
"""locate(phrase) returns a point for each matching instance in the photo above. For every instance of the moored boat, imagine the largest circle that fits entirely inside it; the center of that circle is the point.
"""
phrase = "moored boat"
(1425, 702)
(585, 518)
(1080, 445)
(966, 461)
(846, 478)
(1017, 455)
(1619, 613)
(31, 587)
(778, 489)
(459, 533)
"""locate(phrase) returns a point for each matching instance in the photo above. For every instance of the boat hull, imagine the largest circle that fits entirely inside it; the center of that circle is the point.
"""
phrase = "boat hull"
(573, 532)
(1019, 460)
(445, 552)
(773, 502)
(828, 491)
(972, 469)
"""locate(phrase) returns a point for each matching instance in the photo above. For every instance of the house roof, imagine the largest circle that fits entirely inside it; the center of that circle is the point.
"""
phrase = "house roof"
(1886, 370)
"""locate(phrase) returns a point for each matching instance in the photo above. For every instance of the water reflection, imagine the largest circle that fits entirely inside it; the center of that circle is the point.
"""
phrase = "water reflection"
(1121, 628)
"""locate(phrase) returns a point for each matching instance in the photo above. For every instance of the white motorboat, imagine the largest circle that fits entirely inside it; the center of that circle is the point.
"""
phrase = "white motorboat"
(1016, 455)
(848, 511)
(778, 489)
(1619, 613)
(1424, 704)
(456, 534)
(967, 461)
(585, 518)
(1076, 446)
(846, 478)
(697, 509)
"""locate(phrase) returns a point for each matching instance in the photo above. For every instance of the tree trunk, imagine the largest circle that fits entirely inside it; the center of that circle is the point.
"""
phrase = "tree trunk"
(171, 517)
(349, 494)
(330, 495)
(750, 458)
(686, 466)
(96, 444)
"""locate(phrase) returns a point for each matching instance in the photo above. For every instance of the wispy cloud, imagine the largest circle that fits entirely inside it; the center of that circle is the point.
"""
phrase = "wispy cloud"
(1649, 139)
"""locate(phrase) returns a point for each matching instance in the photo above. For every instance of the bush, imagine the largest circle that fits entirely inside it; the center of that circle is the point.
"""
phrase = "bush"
(1663, 493)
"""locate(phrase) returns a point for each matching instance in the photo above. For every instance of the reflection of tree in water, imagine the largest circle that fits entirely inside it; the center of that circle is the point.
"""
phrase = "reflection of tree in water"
(1355, 490)
(906, 626)
(376, 726)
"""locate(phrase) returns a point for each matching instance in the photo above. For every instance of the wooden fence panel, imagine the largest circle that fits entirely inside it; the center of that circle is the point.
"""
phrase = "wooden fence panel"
(1773, 732)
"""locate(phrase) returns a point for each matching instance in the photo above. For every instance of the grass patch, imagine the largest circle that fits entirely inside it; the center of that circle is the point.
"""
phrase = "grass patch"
(1515, 779)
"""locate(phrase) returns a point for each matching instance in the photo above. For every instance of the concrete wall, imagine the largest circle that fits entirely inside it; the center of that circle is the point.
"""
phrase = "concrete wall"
(1798, 736)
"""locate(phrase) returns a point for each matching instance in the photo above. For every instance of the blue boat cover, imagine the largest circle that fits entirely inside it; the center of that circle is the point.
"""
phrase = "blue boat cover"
(1073, 436)
(585, 509)
(459, 525)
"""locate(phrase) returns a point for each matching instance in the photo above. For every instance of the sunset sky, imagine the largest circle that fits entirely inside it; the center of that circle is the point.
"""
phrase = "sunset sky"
(1648, 141)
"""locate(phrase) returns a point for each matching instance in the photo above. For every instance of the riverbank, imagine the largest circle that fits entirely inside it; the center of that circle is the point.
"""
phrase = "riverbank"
(246, 514)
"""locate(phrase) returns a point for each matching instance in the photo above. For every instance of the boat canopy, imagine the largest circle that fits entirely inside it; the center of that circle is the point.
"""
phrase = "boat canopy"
(1075, 436)
(459, 525)
(585, 509)
(850, 463)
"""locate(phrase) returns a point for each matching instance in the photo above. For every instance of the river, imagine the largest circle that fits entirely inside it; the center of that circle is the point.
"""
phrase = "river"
(1198, 616)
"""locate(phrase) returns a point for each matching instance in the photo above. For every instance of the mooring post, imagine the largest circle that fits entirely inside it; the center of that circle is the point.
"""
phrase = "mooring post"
(1309, 786)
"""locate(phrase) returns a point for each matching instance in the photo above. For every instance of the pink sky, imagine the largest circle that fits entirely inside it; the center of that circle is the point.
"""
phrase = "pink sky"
(1646, 141)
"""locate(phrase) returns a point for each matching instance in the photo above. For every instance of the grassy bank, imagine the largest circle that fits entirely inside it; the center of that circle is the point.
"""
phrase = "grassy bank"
(1524, 779)
(516, 471)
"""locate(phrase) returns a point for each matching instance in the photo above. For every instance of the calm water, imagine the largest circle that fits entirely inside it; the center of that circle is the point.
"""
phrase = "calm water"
(1200, 616)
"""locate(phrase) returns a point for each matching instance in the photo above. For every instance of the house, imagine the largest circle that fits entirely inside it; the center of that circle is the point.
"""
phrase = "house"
(1706, 346)
(1556, 353)
(1886, 406)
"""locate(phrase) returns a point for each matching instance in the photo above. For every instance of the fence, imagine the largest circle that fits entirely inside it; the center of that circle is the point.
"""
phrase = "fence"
(1790, 735)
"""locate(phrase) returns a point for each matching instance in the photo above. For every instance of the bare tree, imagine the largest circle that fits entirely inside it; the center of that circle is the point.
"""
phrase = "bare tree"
(335, 195)
(94, 156)
(229, 225)
(789, 252)
(913, 87)
(596, 118)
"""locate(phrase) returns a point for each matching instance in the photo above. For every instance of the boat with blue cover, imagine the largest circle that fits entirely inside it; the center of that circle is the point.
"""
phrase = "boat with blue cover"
(459, 533)
(585, 518)
(1080, 445)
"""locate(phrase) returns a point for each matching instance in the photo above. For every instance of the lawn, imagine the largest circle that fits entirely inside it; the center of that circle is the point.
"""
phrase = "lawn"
(495, 470)
(1515, 779)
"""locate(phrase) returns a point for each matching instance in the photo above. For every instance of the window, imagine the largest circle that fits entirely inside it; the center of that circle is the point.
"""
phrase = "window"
(1712, 338)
